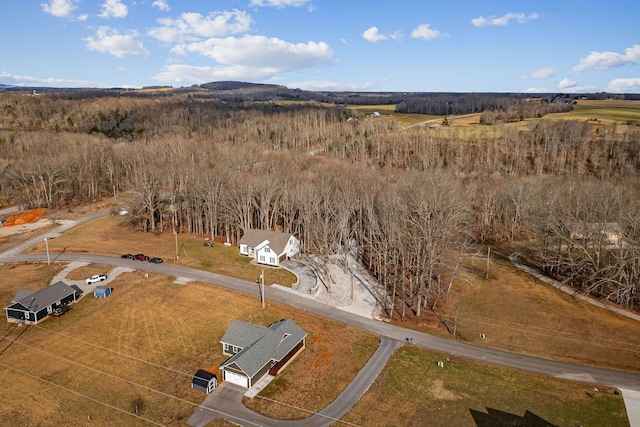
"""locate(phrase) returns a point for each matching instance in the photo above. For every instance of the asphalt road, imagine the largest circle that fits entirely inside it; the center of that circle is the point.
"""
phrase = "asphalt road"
(226, 400)
(588, 374)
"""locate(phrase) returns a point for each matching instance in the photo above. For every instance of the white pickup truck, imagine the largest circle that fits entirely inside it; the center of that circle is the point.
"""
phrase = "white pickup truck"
(96, 278)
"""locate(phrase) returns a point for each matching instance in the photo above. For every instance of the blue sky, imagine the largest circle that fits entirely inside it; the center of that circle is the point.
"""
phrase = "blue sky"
(401, 45)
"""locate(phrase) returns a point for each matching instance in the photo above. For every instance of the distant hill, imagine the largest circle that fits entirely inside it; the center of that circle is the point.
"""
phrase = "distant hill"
(234, 85)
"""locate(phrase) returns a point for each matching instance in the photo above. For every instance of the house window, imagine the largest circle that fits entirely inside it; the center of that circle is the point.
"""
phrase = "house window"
(267, 249)
(261, 258)
(236, 349)
(272, 260)
(226, 348)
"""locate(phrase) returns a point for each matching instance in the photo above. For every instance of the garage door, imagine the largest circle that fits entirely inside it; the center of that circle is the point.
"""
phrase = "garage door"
(237, 379)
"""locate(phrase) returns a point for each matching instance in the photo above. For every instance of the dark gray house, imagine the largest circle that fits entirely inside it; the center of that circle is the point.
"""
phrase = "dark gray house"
(256, 351)
(204, 381)
(32, 307)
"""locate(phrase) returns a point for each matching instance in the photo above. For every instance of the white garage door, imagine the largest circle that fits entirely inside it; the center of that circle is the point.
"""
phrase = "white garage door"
(234, 378)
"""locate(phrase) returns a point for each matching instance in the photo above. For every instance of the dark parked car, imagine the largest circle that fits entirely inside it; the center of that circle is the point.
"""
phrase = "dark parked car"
(155, 260)
(141, 257)
(127, 256)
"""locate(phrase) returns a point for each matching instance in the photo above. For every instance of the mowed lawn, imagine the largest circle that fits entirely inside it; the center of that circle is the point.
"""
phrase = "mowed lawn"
(111, 235)
(139, 348)
(414, 391)
(519, 313)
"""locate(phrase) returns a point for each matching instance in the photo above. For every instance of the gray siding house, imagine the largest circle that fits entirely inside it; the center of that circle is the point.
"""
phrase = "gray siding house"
(256, 351)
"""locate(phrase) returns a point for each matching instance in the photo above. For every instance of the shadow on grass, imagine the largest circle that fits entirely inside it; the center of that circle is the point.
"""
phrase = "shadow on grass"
(497, 418)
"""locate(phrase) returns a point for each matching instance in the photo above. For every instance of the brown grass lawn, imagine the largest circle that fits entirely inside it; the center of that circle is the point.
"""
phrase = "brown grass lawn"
(150, 335)
(111, 235)
(414, 391)
(520, 314)
(143, 344)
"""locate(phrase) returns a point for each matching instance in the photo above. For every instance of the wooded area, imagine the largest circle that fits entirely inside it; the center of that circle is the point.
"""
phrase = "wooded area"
(409, 201)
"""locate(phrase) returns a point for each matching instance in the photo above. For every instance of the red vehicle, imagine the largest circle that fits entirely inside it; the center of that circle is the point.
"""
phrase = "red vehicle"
(141, 257)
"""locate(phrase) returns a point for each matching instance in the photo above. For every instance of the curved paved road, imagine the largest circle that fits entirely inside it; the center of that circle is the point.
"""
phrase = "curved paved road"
(226, 400)
(391, 337)
(539, 365)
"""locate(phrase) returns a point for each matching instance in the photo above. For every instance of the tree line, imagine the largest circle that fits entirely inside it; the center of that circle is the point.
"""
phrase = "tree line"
(409, 201)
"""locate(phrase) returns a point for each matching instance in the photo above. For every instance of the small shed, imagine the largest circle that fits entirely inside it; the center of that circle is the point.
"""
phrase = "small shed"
(204, 381)
(102, 291)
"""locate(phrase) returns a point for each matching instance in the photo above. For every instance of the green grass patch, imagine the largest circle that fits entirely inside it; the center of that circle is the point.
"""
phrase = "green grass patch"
(114, 237)
(412, 389)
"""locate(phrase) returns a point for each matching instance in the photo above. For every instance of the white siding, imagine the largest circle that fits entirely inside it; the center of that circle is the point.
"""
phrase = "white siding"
(236, 379)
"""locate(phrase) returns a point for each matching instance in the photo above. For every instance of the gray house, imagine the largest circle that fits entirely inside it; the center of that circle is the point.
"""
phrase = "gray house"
(256, 351)
(32, 307)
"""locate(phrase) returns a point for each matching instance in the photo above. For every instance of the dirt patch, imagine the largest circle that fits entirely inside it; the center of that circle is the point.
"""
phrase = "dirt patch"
(24, 217)
(438, 391)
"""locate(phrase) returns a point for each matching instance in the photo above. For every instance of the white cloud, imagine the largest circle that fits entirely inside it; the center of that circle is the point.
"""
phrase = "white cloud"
(540, 73)
(279, 3)
(59, 8)
(606, 60)
(627, 85)
(272, 55)
(108, 40)
(188, 74)
(372, 35)
(161, 5)
(329, 85)
(503, 20)
(424, 31)
(83, 17)
(191, 26)
(114, 9)
(567, 84)
(18, 80)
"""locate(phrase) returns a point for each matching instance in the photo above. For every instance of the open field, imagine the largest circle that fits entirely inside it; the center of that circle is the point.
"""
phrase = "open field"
(606, 111)
(142, 345)
(521, 314)
(413, 391)
(514, 311)
(111, 235)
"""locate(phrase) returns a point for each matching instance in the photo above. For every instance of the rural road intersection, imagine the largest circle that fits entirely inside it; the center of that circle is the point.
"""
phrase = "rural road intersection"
(391, 337)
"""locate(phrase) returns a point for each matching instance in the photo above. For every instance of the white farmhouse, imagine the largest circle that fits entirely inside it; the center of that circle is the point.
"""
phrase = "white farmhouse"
(269, 247)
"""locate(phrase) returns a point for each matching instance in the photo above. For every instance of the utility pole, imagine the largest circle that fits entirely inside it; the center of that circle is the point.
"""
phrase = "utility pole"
(262, 289)
(488, 257)
(46, 244)
(175, 233)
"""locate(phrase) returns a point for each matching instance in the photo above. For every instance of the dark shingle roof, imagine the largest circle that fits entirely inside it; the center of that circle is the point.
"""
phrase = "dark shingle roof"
(261, 345)
(36, 301)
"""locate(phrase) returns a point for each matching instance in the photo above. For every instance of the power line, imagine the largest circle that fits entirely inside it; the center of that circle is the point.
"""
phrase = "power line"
(137, 359)
(146, 387)
(174, 370)
(544, 332)
(105, 374)
(79, 394)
